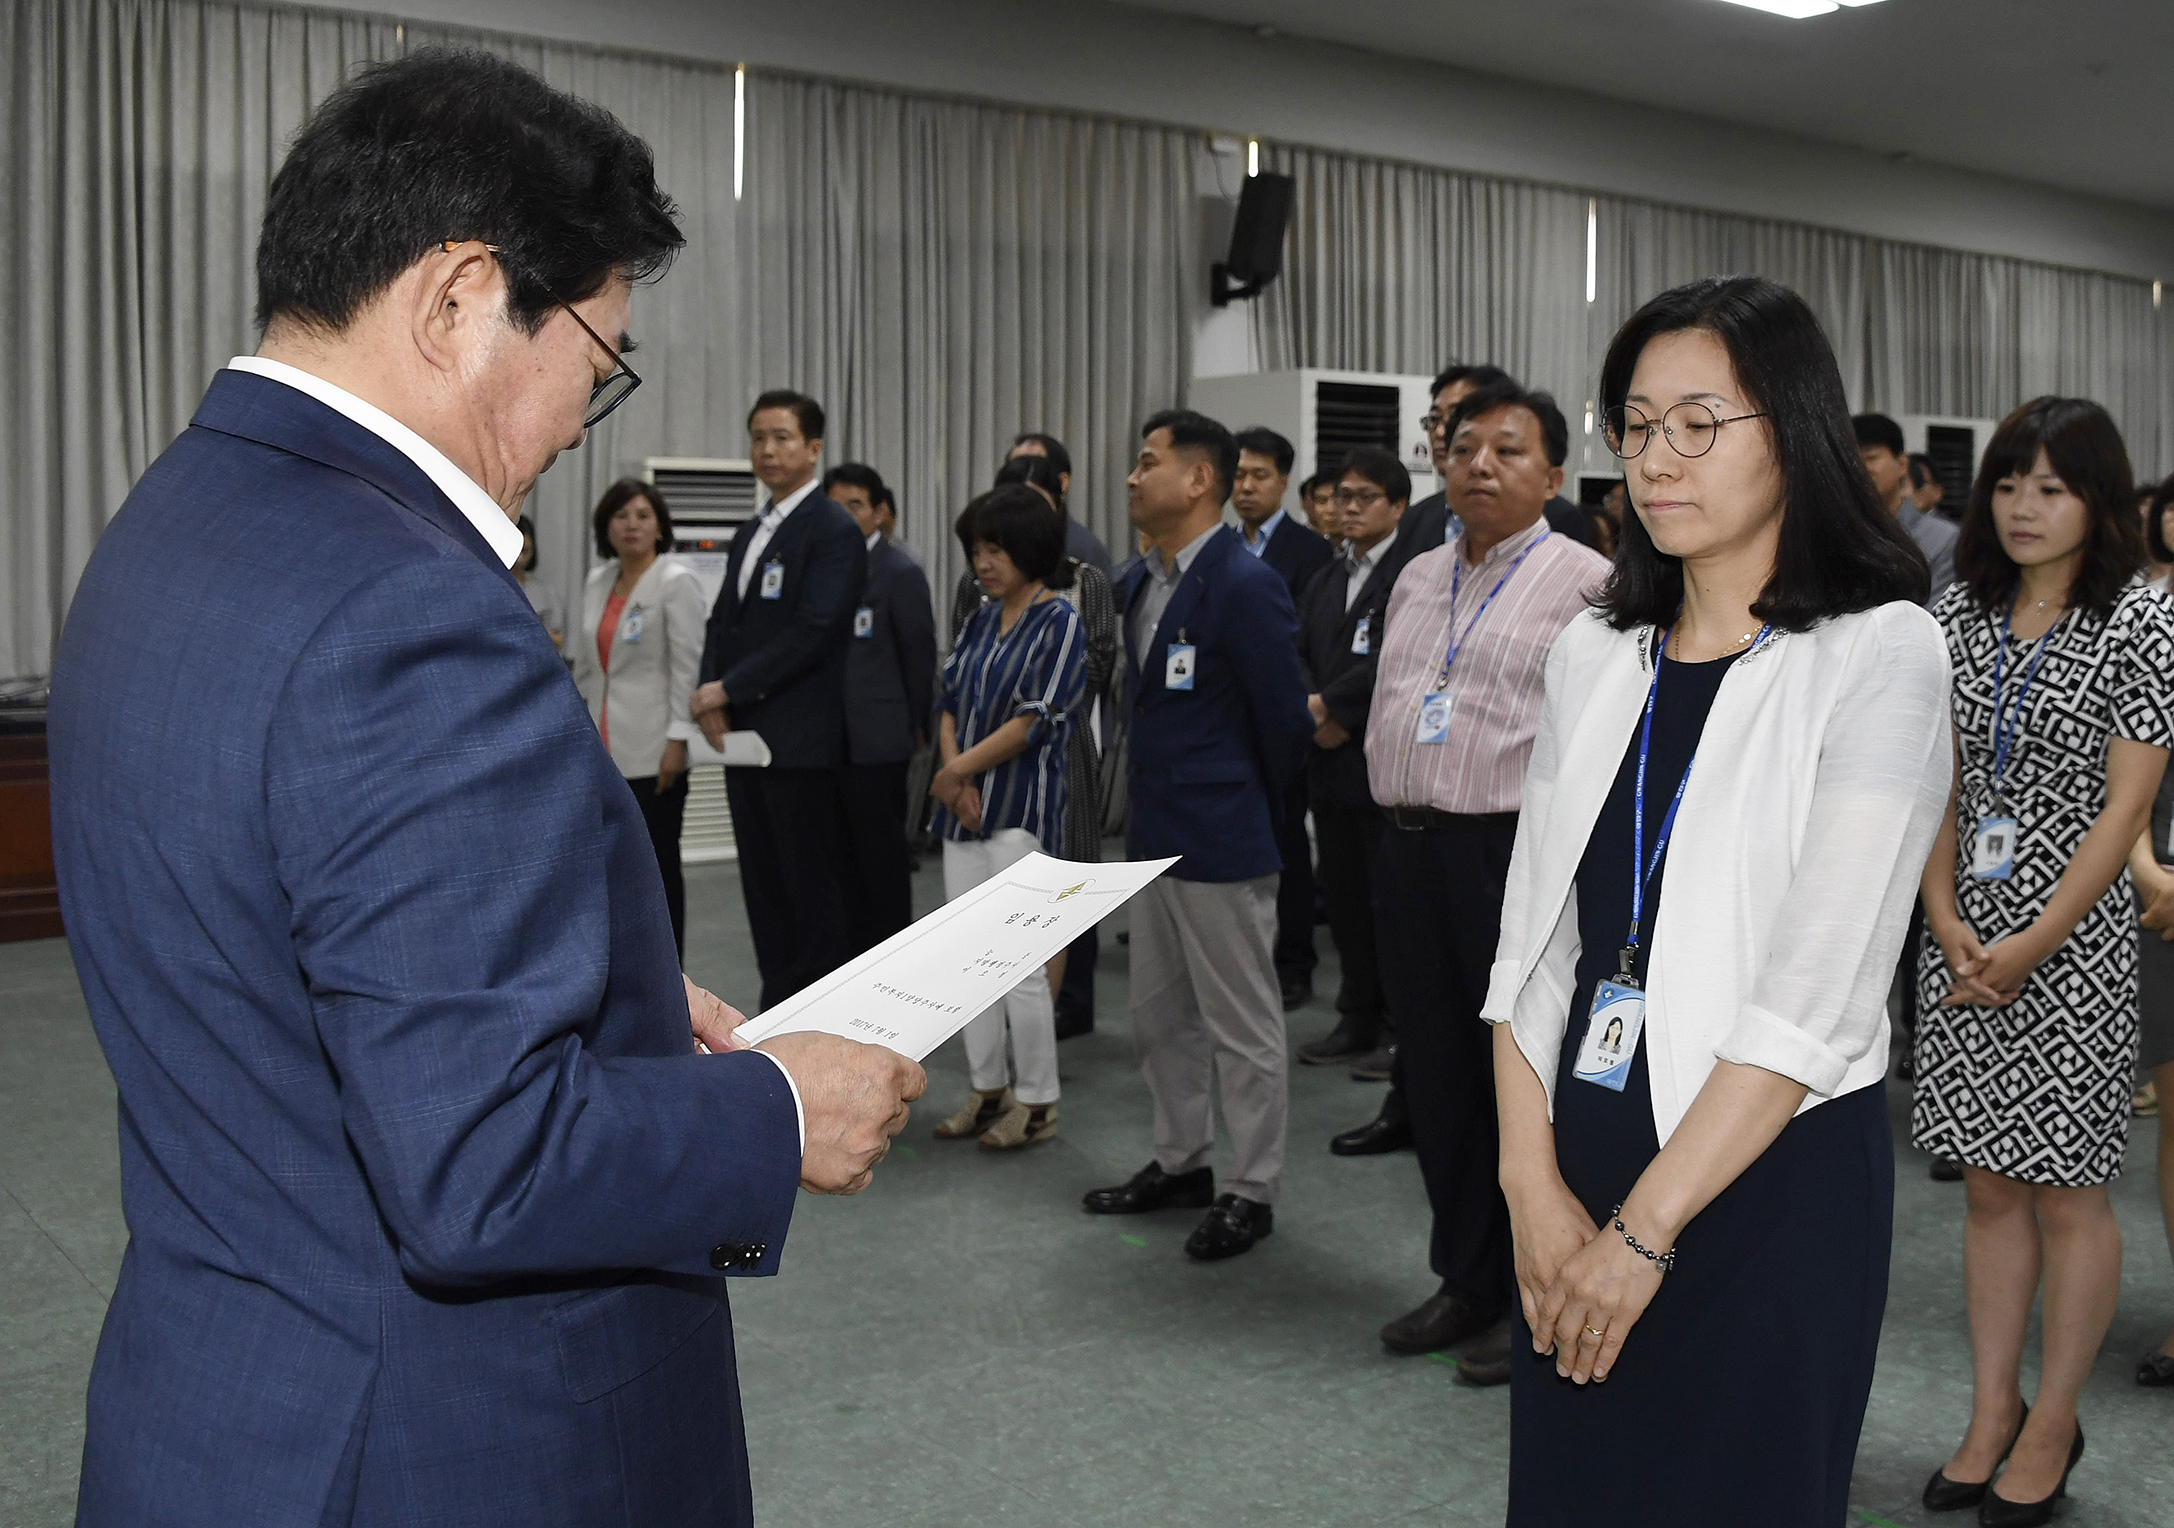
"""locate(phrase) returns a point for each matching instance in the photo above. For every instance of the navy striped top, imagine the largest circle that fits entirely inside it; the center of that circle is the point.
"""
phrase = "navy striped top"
(1038, 669)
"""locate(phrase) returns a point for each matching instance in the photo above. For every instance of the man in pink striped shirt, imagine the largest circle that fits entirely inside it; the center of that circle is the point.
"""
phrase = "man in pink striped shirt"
(1456, 703)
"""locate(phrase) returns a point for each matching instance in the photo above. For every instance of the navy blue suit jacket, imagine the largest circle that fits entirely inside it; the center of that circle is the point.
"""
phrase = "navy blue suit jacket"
(426, 1189)
(782, 661)
(890, 670)
(1210, 766)
(1297, 554)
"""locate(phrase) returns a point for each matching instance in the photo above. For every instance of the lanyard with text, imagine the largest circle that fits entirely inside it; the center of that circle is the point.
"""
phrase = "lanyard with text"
(1992, 847)
(1434, 707)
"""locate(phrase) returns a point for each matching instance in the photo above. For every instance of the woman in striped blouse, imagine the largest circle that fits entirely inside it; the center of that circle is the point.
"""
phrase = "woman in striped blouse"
(1014, 679)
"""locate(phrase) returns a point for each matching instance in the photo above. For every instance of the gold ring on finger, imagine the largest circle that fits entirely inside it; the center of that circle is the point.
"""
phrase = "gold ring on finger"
(1596, 1332)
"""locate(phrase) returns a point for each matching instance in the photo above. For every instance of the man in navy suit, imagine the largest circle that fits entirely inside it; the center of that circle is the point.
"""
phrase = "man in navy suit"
(774, 664)
(430, 1191)
(1297, 553)
(1219, 728)
(890, 688)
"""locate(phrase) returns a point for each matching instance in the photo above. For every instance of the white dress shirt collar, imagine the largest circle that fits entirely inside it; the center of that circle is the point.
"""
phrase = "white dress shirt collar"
(482, 511)
(778, 509)
(1359, 569)
(872, 538)
(1258, 543)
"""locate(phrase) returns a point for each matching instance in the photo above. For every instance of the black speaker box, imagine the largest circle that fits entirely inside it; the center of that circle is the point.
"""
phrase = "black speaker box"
(1256, 239)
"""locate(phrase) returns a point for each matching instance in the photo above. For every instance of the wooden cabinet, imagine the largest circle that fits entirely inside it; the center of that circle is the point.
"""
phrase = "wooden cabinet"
(29, 897)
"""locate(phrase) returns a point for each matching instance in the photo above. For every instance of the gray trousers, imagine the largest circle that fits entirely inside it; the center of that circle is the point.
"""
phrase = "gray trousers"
(1207, 1025)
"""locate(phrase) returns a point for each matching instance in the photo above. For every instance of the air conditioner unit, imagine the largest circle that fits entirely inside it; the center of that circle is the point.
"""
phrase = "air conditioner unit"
(1956, 446)
(709, 499)
(1325, 413)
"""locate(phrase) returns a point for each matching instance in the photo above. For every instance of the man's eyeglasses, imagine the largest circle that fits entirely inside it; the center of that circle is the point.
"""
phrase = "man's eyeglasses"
(1359, 498)
(1690, 428)
(611, 390)
(1432, 421)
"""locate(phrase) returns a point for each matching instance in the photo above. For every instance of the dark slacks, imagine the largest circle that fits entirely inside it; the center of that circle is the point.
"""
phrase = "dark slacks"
(1346, 837)
(879, 881)
(664, 813)
(789, 825)
(1076, 996)
(1295, 957)
(1437, 916)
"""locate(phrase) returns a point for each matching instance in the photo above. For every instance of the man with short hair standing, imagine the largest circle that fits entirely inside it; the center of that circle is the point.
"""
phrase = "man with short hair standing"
(1880, 444)
(1297, 554)
(1219, 720)
(1079, 541)
(1430, 520)
(431, 1194)
(774, 664)
(1456, 703)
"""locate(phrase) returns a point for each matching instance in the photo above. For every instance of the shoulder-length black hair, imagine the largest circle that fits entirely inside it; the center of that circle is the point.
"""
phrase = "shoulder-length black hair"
(617, 497)
(1019, 520)
(2083, 447)
(2162, 495)
(1839, 550)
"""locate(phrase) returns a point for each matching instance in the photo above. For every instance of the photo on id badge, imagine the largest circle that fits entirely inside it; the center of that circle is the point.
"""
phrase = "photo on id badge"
(1992, 850)
(1611, 1035)
(1177, 668)
(1434, 712)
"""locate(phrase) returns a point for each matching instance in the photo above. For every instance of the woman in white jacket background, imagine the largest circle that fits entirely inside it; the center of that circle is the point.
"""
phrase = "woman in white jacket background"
(1689, 1055)
(637, 653)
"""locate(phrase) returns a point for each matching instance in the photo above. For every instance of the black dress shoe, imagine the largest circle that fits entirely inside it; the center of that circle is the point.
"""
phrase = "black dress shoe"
(1073, 1022)
(1385, 1132)
(1489, 1361)
(1231, 1226)
(2155, 1369)
(1153, 1189)
(1377, 1065)
(1346, 1042)
(1945, 1495)
(1297, 992)
(1996, 1511)
(1441, 1322)
(1946, 1170)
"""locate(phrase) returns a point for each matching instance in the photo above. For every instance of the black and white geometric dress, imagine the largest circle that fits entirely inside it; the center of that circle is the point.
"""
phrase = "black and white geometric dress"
(2039, 1090)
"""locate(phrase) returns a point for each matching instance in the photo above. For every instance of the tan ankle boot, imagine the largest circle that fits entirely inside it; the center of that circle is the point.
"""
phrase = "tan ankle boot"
(976, 1114)
(1021, 1125)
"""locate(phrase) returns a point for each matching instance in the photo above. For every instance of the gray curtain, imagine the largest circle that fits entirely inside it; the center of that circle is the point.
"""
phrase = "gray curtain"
(942, 275)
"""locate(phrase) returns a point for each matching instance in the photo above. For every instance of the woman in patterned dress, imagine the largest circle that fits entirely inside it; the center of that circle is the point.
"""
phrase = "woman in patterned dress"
(2027, 983)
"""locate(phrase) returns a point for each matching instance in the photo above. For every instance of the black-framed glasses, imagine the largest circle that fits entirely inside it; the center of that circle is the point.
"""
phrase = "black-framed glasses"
(1690, 428)
(1359, 498)
(611, 390)
(1431, 421)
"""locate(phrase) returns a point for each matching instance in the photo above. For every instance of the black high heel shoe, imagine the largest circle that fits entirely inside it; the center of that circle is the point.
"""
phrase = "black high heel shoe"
(1996, 1511)
(1945, 1495)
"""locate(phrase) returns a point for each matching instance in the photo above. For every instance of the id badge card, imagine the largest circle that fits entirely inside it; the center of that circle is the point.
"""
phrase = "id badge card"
(1177, 667)
(864, 622)
(1611, 1036)
(1362, 640)
(1992, 849)
(773, 580)
(1434, 712)
(630, 630)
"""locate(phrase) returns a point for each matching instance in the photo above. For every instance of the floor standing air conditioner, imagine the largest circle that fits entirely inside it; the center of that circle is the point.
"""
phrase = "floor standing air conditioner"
(709, 500)
(1325, 413)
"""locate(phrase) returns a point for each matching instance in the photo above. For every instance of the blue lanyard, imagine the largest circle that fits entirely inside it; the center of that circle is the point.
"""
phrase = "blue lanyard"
(2003, 726)
(1456, 580)
(1642, 868)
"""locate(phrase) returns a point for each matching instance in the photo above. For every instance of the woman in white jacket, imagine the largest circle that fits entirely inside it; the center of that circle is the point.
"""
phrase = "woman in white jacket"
(1689, 1054)
(637, 652)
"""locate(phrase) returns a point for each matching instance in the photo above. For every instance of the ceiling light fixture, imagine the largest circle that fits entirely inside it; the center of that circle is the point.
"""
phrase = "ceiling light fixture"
(1798, 10)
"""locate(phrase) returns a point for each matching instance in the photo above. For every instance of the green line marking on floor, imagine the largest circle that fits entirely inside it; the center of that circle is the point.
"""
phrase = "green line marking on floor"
(1443, 1358)
(1133, 1241)
(1875, 1519)
(904, 1151)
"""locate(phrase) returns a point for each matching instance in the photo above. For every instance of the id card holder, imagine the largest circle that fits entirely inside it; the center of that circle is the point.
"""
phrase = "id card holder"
(864, 621)
(1177, 666)
(1992, 849)
(630, 629)
(1362, 640)
(1434, 712)
(773, 580)
(1611, 1036)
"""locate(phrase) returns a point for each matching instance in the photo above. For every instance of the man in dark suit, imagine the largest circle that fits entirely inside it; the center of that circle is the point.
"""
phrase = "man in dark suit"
(1429, 519)
(1296, 552)
(774, 664)
(1079, 541)
(1218, 725)
(430, 1193)
(1340, 624)
(890, 684)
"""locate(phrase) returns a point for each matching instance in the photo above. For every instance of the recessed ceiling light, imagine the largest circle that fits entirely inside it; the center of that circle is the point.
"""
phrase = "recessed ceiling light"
(1797, 10)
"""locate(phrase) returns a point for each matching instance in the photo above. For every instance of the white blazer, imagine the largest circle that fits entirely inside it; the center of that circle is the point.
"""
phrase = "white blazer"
(656, 654)
(1821, 779)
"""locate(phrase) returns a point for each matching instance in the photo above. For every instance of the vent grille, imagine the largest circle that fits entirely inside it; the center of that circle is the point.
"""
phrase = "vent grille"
(1348, 414)
(705, 492)
(1953, 451)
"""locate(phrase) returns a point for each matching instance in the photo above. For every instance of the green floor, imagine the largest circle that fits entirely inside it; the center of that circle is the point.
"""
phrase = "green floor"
(961, 1346)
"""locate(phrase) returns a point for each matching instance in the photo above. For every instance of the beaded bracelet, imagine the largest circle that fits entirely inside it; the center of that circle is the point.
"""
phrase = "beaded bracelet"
(1665, 1261)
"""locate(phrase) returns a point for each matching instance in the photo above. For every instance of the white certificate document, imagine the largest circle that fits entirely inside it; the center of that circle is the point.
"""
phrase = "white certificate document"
(920, 986)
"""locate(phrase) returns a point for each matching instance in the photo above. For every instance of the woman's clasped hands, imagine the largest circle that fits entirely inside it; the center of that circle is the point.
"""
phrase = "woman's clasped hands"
(1581, 1291)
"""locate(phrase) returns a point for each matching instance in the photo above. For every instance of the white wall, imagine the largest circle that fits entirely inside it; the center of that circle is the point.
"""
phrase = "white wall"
(1093, 56)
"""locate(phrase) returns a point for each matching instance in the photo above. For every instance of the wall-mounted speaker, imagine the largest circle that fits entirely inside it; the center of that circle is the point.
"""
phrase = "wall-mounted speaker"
(1256, 240)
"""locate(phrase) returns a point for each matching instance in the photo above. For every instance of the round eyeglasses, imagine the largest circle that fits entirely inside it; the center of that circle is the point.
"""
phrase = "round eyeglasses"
(1690, 428)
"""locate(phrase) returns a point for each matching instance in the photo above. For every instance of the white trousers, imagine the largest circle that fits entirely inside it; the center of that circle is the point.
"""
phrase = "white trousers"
(1026, 1014)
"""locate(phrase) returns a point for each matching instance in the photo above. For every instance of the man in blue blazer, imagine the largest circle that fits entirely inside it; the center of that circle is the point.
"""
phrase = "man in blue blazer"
(890, 687)
(430, 1192)
(1297, 553)
(774, 664)
(1219, 729)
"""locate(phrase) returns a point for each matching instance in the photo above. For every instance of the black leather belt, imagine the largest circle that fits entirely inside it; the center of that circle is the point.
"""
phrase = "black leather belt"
(1413, 819)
